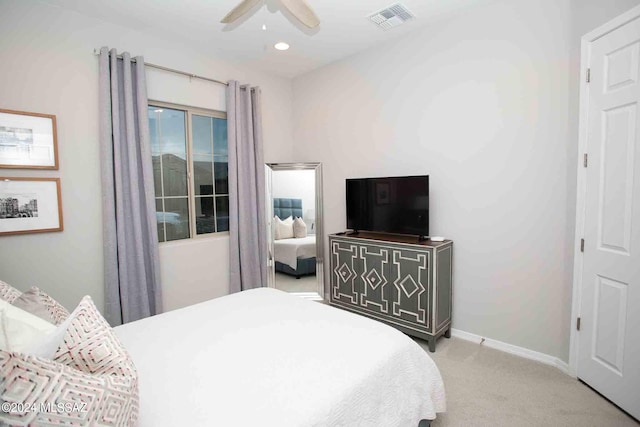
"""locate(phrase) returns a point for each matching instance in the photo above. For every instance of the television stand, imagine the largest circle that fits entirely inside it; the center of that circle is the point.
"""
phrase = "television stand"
(347, 233)
(394, 279)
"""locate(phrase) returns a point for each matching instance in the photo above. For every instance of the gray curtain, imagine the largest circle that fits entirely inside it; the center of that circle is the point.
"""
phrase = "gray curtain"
(247, 221)
(131, 264)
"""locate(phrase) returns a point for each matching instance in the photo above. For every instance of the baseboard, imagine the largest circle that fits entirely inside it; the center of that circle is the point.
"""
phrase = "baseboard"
(512, 349)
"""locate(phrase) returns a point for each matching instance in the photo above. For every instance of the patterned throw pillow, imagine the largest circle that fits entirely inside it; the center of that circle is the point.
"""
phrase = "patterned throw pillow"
(37, 302)
(8, 292)
(92, 381)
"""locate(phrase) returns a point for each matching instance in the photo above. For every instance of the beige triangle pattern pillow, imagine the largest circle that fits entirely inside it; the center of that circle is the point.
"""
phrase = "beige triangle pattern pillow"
(37, 302)
(92, 378)
(8, 292)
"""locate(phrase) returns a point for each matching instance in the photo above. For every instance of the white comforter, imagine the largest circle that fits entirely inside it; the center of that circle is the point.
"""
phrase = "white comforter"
(266, 358)
(287, 251)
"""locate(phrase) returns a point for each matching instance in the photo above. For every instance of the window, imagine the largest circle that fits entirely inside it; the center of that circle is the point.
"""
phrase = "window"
(190, 171)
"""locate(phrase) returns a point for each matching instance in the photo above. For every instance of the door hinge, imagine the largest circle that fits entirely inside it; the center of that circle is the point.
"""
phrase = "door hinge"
(578, 324)
(588, 75)
(581, 245)
(586, 160)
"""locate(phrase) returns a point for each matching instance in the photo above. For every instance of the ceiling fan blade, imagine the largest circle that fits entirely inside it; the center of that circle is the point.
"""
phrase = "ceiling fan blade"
(237, 12)
(302, 11)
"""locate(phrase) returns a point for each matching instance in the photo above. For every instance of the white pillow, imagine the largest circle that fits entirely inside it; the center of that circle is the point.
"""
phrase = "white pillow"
(284, 229)
(19, 329)
(48, 345)
(299, 228)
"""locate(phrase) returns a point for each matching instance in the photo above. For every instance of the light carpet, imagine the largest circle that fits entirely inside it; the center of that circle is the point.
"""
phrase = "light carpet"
(290, 284)
(487, 387)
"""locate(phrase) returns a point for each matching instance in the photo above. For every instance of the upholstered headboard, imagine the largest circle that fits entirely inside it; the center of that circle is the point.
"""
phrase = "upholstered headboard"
(284, 208)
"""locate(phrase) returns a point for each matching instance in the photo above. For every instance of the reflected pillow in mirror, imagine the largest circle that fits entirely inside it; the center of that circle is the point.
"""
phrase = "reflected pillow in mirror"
(299, 228)
(284, 229)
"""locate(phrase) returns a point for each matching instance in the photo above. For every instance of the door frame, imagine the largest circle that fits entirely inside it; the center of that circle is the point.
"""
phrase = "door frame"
(585, 60)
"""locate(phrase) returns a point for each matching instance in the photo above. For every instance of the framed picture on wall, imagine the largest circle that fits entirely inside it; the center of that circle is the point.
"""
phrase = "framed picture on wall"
(28, 140)
(30, 205)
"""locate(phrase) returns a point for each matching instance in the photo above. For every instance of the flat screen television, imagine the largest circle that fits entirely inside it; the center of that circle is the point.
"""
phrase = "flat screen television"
(397, 205)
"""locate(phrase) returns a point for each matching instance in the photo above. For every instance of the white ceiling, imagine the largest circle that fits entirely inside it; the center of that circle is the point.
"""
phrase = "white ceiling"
(343, 31)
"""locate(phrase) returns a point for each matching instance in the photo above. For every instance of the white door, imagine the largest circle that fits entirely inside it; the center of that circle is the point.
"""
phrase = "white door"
(609, 338)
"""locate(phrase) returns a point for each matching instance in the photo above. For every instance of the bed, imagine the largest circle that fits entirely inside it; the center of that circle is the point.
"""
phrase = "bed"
(295, 257)
(266, 358)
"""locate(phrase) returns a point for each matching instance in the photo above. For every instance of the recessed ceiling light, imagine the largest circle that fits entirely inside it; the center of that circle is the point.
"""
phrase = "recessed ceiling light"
(281, 46)
(264, 27)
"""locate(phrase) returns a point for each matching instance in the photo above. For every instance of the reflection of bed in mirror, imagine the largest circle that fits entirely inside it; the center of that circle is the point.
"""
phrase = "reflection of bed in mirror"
(293, 256)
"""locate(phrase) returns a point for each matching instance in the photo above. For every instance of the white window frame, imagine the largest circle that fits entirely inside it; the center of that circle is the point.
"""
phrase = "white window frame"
(191, 194)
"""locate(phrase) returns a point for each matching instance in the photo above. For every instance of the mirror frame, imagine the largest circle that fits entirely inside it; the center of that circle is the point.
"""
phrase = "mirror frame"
(319, 225)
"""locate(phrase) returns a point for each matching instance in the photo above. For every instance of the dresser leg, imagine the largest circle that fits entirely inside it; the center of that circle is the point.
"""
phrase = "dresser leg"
(447, 333)
(432, 345)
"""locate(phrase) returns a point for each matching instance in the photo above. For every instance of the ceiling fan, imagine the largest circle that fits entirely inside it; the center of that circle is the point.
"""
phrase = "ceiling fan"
(298, 8)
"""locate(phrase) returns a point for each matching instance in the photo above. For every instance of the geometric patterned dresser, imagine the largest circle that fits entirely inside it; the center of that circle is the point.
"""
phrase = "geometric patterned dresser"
(394, 279)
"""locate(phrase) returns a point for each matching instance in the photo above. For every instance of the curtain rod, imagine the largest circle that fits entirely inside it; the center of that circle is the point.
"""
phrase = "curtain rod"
(171, 70)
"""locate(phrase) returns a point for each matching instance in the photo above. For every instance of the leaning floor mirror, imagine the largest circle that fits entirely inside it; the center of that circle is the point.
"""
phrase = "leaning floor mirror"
(294, 215)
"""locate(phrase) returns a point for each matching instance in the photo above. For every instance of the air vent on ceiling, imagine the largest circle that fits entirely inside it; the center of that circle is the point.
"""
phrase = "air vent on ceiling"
(391, 16)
